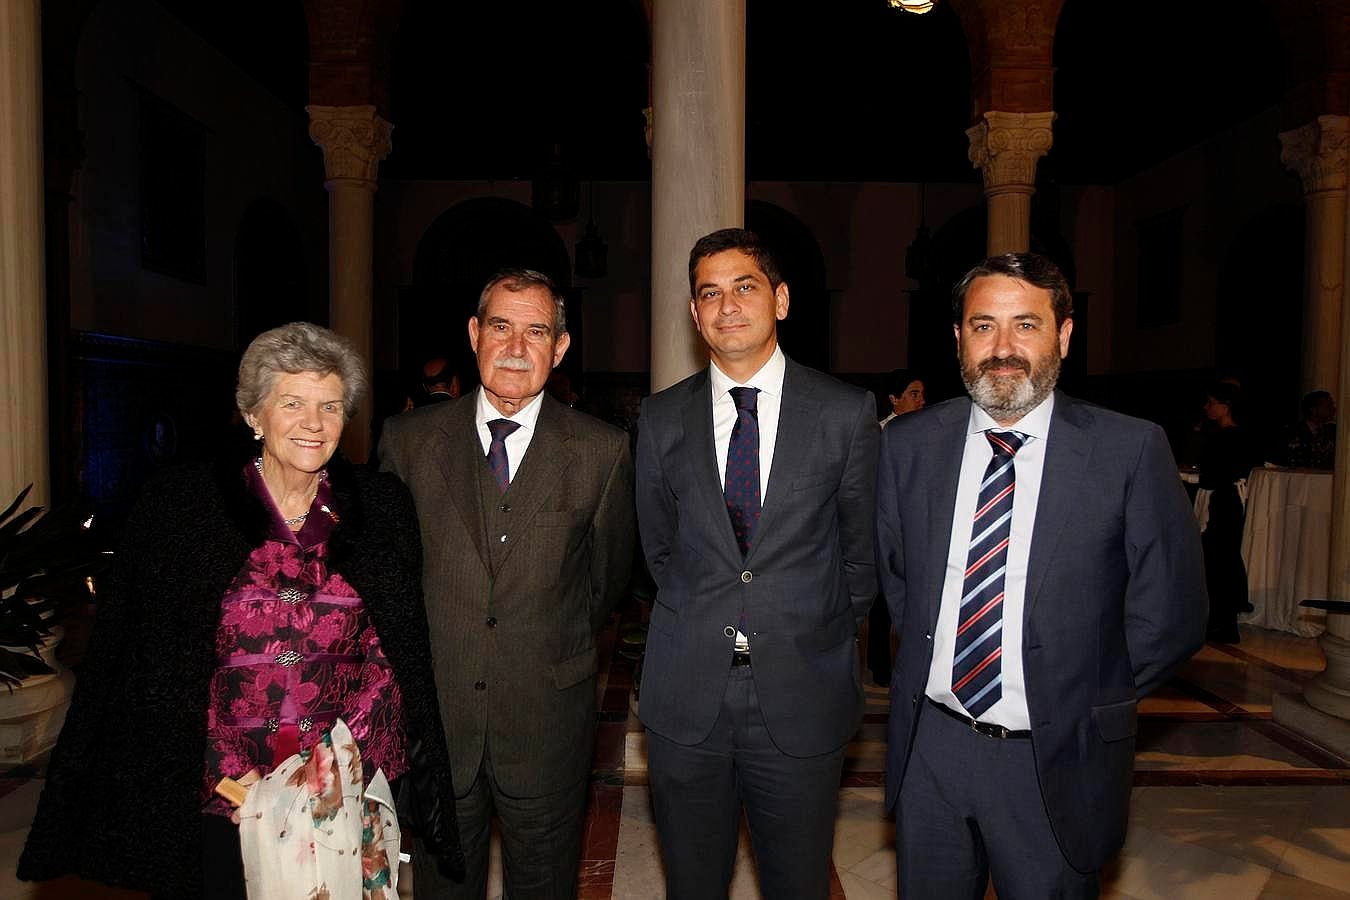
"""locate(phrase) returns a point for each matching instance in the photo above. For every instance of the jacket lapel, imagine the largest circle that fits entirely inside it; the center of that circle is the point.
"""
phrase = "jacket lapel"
(797, 415)
(702, 457)
(458, 461)
(542, 469)
(946, 451)
(1064, 478)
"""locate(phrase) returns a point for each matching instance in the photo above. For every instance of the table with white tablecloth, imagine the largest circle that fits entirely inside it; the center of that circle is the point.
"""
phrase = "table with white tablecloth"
(1286, 545)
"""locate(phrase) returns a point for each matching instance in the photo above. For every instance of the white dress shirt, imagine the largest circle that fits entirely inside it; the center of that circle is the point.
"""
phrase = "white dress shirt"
(1011, 709)
(518, 441)
(769, 380)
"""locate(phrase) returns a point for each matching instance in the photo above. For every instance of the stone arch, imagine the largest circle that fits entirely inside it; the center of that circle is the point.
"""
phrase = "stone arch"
(805, 333)
(269, 272)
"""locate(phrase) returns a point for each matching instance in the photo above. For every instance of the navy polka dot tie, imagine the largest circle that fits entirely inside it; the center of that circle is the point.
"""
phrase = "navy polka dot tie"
(742, 484)
(977, 670)
(497, 461)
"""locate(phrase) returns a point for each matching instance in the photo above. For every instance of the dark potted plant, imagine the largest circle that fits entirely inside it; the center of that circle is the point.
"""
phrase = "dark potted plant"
(47, 562)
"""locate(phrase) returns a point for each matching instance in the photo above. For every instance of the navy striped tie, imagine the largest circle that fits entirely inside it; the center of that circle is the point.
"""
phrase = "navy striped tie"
(977, 672)
(500, 429)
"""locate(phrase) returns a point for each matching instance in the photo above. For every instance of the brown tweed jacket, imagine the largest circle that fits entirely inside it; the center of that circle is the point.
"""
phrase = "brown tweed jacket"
(518, 584)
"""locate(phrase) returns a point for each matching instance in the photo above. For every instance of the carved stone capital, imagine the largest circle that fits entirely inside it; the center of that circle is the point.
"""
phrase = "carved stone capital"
(353, 139)
(1006, 146)
(1317, 153)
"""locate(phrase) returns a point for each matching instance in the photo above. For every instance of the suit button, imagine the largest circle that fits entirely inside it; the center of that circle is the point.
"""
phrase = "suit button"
(492, 622)
(502, 539)
(747, 576)
(927, 637)
(729, 631)
(480, 685)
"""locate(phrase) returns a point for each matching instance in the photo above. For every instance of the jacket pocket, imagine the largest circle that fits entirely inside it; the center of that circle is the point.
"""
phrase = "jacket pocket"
(1116, 721)
(574, 669)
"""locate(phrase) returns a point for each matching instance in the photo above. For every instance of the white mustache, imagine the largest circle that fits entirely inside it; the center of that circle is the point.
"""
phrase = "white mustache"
(514, 363)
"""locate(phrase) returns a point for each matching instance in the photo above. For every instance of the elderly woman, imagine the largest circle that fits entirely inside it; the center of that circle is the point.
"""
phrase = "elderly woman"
(252, 604)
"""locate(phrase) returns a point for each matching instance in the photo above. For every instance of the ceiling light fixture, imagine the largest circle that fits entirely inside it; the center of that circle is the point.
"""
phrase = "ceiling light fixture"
(918, 7)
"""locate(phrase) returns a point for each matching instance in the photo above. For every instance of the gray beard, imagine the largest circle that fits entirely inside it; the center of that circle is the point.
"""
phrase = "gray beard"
(1009, 398)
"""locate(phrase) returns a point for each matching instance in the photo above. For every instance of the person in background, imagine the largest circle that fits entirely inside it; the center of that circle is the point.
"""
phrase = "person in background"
(1226, 458)
(439, 382)
(251, 604)
(1310, 443)
(904, 392)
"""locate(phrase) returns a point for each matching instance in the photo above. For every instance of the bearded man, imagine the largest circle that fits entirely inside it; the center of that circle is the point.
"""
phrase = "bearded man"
(1044, 572)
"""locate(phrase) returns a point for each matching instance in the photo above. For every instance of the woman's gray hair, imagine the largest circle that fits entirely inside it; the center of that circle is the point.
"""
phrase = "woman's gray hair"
(295, 348)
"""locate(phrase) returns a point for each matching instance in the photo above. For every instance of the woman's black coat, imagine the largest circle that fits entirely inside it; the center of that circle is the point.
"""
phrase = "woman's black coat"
(122, 799)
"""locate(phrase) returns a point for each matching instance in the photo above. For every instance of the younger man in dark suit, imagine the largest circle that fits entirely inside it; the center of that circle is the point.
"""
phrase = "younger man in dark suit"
(1043, 570)
(756, 484)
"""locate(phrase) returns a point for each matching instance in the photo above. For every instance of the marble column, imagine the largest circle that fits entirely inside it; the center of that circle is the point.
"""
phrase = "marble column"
(1322, 712)
(1005, 147)
(354, 139)
(698, 159)
(1317, 152)
(23, 328)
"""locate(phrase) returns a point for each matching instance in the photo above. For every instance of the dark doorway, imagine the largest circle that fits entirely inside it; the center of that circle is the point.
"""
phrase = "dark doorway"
(1259, 316)
(805, 333)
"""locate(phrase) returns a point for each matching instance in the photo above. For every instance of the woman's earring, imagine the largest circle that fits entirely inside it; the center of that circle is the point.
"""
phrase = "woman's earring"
(257, 435)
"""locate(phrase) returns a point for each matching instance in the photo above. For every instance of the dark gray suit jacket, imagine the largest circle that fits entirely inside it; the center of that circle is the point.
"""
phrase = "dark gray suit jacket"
(805, 587)
(514, 651)
(1115, 598)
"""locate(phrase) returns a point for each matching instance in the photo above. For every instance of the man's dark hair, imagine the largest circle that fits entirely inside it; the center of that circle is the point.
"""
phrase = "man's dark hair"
(898, 380)
(441, 375)
(740, 239)
(1031, 268)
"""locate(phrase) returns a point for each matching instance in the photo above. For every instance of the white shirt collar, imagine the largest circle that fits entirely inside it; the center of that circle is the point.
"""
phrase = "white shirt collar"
(1034, 424)
(769, 378)
(525, 417)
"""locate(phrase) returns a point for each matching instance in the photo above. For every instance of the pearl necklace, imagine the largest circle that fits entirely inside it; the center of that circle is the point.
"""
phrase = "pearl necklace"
(290, 523)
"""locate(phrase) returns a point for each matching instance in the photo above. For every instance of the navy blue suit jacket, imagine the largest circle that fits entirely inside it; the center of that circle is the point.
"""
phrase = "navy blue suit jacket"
(805, 586)
(1115, 598)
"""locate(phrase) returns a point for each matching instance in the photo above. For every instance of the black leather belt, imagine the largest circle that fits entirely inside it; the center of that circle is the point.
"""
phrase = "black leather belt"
(740, 658)
(988, 729)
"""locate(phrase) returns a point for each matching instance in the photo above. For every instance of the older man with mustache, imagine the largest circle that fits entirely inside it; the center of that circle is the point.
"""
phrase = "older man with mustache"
(1043, 571)
(528, 528)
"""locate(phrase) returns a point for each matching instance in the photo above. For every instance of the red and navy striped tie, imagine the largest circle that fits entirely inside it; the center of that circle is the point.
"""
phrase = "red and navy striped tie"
(742, 484)
(977, 671)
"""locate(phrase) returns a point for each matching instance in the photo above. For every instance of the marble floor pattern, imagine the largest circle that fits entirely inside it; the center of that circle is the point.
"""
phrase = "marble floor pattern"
(1226, 803)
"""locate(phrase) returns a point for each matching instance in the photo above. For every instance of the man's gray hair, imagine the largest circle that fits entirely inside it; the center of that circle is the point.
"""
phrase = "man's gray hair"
(295, 348)
(517, 280)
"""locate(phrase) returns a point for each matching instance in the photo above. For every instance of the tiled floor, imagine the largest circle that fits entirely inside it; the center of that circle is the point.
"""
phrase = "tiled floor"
(1226, 803)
